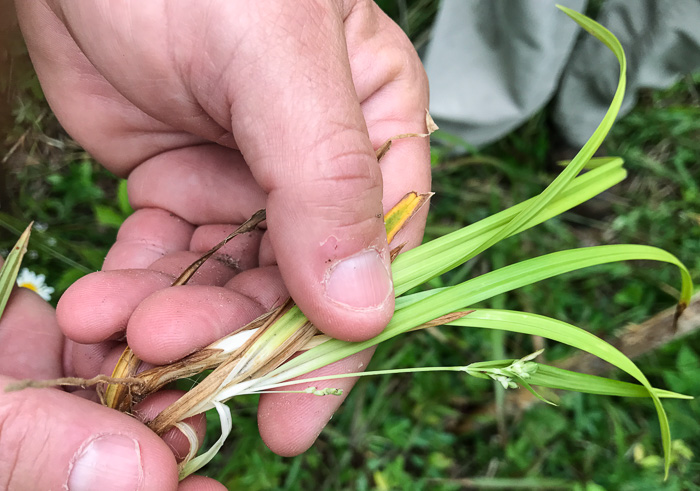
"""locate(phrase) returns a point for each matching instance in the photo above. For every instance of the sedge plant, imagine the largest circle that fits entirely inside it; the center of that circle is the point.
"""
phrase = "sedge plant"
(258, 358)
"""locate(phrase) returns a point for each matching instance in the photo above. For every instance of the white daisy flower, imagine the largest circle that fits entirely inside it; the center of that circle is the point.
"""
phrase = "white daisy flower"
(35, 282)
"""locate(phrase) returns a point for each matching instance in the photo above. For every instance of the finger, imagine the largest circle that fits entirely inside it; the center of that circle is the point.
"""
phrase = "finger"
(241, 251)
(267, 254)
(98, 306)
(290, 423)
(150, 407)
(87, 360)
(177, 321)
(116, 132)
(90, 360)
(394, 101)
(146, 236)
(200, 483)
(168, 325)
(202, 184)
(216, 271)
(30, 341)
(53, 440)
(263, 285)
(313, 157)
(174, 322)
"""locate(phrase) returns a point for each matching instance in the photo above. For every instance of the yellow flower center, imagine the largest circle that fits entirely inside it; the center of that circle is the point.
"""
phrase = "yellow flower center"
(31, 286)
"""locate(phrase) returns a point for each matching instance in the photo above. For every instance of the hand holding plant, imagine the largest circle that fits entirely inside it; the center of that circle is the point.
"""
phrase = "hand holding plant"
(253, 361)
(215, 111)
(51, 438)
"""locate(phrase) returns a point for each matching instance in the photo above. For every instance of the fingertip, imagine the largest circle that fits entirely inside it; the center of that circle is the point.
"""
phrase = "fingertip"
(177, 321)
(263, 285)
(290, 423)
(78, 445)
(146, 236)
(360, 290)
(150, 407)
(30, 341)
(99, 305)
(200, 483)
(338, 273)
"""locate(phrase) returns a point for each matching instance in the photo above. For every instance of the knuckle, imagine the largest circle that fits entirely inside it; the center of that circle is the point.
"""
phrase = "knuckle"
(344, 162)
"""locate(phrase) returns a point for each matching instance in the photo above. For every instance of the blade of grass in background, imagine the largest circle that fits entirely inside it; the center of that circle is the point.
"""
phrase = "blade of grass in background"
(10, 269)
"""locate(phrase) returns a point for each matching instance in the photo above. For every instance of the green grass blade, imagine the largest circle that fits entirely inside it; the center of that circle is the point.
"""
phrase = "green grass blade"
(558, 378)
(433, 305)
(415, 267)
(565, 333)
(10, 269)
(585, 154)
(13, 225)
(439, 302)
(545, 376)
(535, 206)
(462, 296)
(594, 163)
(201, 460)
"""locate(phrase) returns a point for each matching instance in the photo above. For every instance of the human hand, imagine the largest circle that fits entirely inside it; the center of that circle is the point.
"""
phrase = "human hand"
(214, 110)
(52, 439)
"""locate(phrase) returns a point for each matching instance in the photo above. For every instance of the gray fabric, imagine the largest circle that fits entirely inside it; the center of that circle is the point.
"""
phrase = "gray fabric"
(493, 63)
(661, 39)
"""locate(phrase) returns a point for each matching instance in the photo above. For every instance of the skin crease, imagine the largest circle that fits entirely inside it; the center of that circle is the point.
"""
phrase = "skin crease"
(214, 110)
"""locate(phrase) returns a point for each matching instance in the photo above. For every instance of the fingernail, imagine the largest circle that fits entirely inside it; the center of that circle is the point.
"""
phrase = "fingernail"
(361, 281)
(107, 462)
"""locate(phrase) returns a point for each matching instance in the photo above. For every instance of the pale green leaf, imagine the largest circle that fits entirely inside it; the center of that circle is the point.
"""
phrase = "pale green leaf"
(538, 204)
(558, 378)
(562, 332)
(200, 461)
(415, 267)
(10, 269)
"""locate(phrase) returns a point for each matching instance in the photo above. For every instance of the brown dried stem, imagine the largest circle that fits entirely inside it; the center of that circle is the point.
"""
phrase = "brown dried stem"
(120, 397)
(256, 366)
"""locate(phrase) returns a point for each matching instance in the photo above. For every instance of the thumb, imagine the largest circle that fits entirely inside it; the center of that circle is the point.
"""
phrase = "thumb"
(50, 439)
(309, 149)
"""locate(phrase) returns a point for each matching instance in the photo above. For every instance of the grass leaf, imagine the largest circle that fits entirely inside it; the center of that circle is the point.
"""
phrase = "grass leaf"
(535, 206)
(558, 378)
(565, 333)
(200, 461)
(10, 269)
(402, 212)
(415, 267)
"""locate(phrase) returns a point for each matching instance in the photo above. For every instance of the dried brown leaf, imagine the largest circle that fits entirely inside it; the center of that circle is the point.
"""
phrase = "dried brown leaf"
(430, 126)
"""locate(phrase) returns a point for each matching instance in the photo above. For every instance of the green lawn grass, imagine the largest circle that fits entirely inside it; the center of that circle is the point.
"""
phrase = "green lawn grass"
(431, 431)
